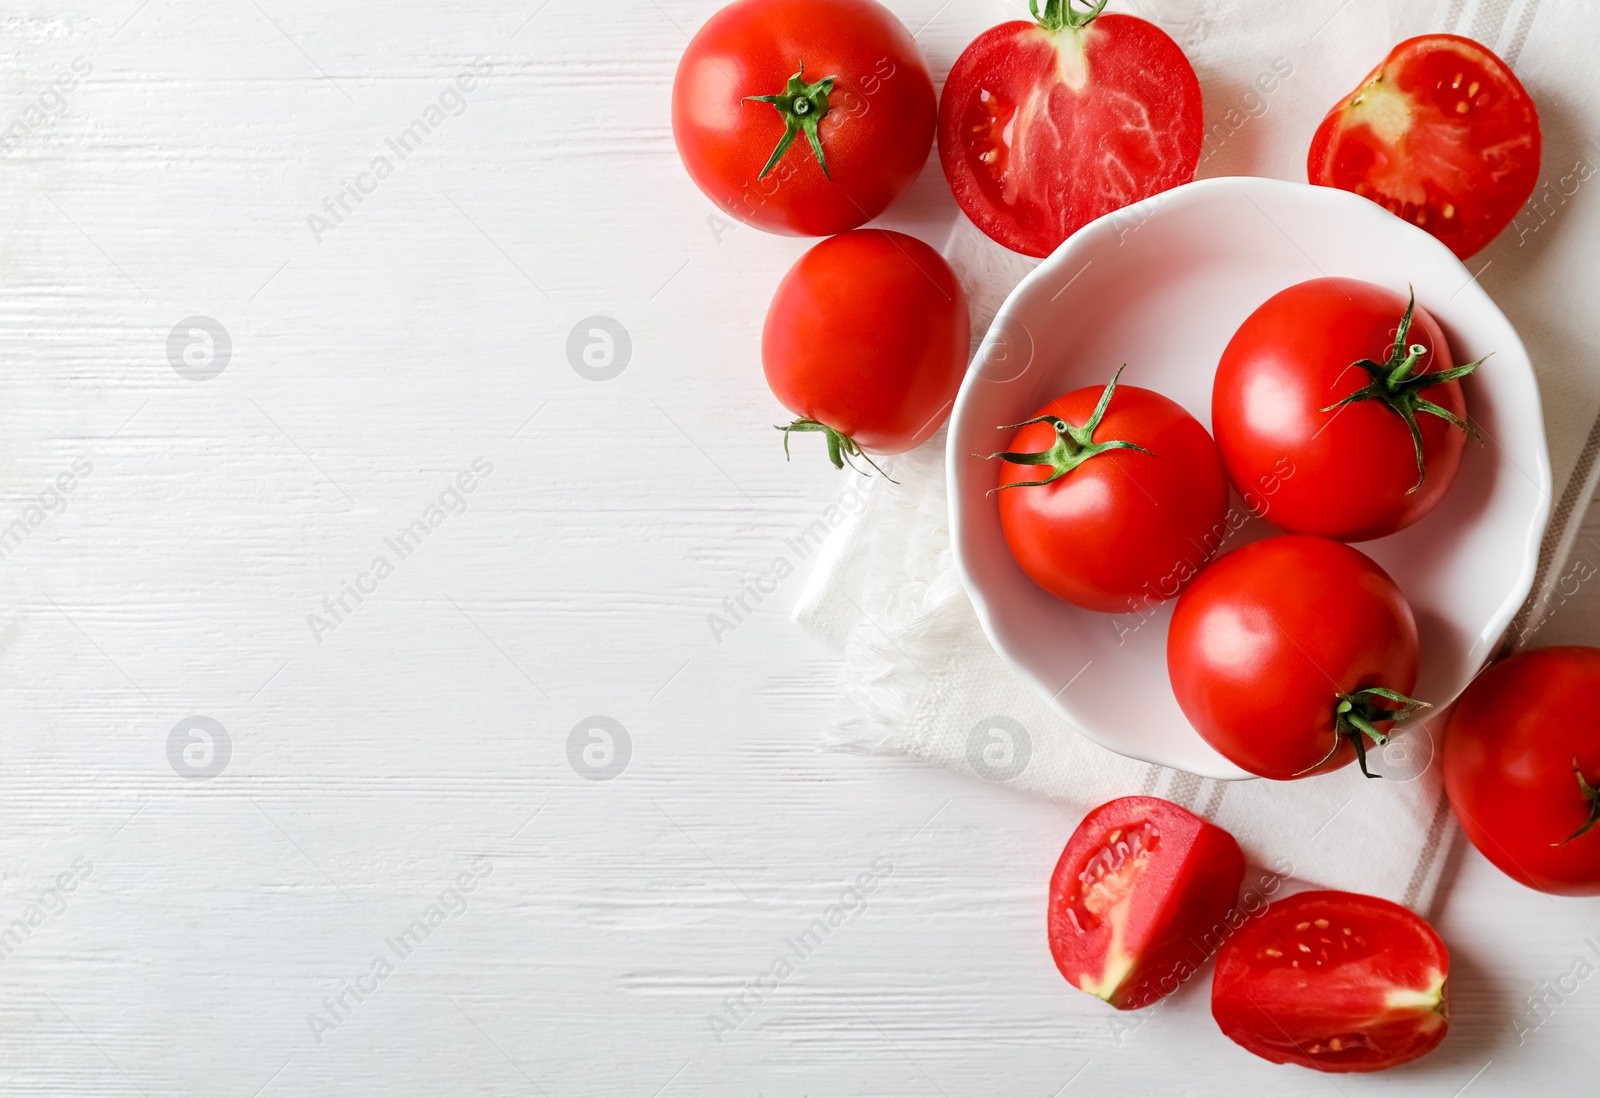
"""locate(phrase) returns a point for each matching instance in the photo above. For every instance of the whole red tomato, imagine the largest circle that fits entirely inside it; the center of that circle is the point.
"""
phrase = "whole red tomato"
(1113, 498)
(1355, 387)
(1333, 981)
(866, 341)
(1045, 126)
(1139, 888)
(806, 117)
(1521, 763)
(1441, 134)
(1288, 654)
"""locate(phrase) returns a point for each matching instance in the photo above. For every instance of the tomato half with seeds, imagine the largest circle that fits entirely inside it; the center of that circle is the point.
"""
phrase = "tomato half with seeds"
(1442, 134)
(1288, 655)
(806, 117)
(1113, 498)
(1045, 126)
(1142, 885)
(1353, 386)
(1522, 763)
(1334, 981)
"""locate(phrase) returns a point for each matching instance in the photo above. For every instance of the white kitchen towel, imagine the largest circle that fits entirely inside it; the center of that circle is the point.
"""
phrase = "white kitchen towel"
(920, 678)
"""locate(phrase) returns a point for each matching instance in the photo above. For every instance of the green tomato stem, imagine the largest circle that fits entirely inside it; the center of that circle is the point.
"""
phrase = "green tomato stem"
(1590, 794)
(842, 449)
(1394, 383)
(803, 107)
(1059, 15)
(1356, 718)
(1072, 447)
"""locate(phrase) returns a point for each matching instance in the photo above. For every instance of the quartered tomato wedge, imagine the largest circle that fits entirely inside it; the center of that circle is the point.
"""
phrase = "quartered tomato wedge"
(1441, 134)
(1334, 981)
(1045, 126)
(1140, 886)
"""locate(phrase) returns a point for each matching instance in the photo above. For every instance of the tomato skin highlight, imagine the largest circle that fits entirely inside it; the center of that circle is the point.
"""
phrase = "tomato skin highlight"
(1268, 637)
(1041, 132)
(1441, 134)
(1354, 468)
(1125, 530)
(1508, 767)
(1138, 889)
(869, 333)
(1334, 981)
(876, 135)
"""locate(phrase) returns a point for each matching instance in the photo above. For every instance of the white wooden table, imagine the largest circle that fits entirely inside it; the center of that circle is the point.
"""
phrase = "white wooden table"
(240, 358)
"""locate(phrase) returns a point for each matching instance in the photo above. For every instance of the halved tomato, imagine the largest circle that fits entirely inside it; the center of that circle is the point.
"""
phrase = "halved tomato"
(1045, 126)
(1140, 887)
(1441, 134)
(1334, 981)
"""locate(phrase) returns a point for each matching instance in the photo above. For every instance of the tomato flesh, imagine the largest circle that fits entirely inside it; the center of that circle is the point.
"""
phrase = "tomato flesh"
(1441, 134)
(1353, 469)
(1041, 132)
(1141, 885)
(868, 334)
(1266, 641)
(1334, 981)
(1125, 530)
(1509, 753)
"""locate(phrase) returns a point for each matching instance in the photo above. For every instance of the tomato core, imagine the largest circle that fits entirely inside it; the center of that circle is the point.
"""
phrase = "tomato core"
(1108, 878)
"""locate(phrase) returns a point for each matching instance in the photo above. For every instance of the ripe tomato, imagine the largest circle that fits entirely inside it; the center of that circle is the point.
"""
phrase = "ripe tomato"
(1045, 126)
(806, 117)
(1521, 762)
(866, 341)
(1113, 499)
(1287, 654)
(1358, 391)
(1441, 134)
(1334, 981)
(1140, 885)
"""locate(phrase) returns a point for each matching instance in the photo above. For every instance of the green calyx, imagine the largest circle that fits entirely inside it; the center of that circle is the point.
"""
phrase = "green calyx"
(802, 106)
(1073, 445)
(1059, 15)
(1356, 717)
(1395, 384)
(842, 449)
(1590, 794)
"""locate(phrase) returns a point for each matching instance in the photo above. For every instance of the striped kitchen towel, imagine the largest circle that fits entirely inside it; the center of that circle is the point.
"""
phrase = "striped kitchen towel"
(919, 676)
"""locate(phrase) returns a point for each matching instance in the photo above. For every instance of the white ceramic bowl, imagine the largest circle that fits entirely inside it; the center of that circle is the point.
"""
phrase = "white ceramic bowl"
(1162, 286)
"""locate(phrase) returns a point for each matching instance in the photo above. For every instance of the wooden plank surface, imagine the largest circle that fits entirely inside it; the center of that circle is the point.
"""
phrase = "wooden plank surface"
(195, 548)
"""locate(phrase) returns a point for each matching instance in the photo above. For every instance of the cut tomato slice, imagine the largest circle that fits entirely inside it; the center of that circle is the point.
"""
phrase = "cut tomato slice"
(1334, 981)
(1140, 890)
(1441, 134)
(1045, 126)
